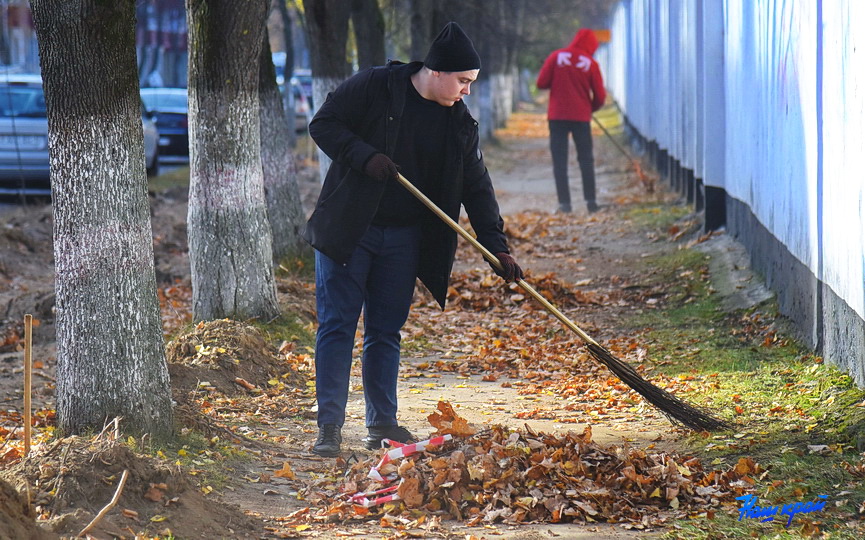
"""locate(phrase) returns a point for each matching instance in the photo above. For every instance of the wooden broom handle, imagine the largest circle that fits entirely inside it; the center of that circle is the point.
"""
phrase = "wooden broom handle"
(28, 379)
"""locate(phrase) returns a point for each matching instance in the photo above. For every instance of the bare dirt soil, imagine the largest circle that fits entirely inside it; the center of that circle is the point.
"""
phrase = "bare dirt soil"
(226, 369)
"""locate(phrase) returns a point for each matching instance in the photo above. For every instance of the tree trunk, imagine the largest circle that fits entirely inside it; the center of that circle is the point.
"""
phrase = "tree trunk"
(230, 250)
(368, 26)
(513, 28)
(423, 22)
(284, 209)
(287, 36)
(327, 34)
(288, 99)
(490, 26)
(110, 349)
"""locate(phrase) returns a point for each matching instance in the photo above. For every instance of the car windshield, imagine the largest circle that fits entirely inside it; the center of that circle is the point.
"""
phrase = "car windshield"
(22, 101)
(156, 101)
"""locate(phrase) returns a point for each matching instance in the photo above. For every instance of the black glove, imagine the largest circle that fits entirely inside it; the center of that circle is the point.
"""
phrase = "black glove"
(380, 167)
(510, 271)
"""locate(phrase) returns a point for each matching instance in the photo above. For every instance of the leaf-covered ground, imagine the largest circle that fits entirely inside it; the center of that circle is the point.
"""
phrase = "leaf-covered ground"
(544, 440)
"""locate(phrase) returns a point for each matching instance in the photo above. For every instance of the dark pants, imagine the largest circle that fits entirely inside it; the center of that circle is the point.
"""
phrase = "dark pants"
(380, 278)
(582, 135)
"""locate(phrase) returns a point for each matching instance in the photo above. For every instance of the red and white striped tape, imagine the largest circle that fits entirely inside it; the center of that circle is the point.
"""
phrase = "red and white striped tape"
(400, 450)
(403, 450)
(363, 499)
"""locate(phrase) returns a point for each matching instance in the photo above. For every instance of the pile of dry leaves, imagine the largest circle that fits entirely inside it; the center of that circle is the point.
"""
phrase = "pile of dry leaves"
(521, 476)
(475, 291)
(229, 356)
(224, 370)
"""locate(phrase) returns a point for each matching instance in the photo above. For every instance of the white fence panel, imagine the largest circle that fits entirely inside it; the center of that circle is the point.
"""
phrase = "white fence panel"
(842, 210)
(765, 102)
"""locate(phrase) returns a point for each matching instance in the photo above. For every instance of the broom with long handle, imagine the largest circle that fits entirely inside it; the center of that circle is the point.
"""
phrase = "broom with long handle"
(649, 183)
(675, 409)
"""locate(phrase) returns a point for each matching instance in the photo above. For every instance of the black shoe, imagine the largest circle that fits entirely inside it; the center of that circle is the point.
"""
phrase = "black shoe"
(375, 434)
(592, 206)
(329, 439)
(564, 209)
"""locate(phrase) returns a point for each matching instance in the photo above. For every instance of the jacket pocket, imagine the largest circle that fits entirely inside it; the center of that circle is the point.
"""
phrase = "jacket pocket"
(341, 218)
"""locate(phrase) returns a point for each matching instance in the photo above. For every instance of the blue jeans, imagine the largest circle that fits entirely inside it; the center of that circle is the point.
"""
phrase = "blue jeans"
(380, 278)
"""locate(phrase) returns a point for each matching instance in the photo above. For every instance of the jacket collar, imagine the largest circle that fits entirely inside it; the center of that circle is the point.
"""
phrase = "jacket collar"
(398, 75)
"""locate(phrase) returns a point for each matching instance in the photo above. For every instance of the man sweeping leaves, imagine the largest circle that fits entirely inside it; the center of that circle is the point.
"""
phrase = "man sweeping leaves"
(373, 238)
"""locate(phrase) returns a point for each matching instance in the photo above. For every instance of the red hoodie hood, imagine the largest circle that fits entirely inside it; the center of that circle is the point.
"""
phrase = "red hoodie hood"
(585, 40)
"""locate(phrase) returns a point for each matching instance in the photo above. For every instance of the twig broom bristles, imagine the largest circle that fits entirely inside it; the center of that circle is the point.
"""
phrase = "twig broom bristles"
(675, 409)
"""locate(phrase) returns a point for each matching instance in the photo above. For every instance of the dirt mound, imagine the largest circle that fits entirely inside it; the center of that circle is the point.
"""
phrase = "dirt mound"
(17, 519)
(72, 479)
(26, 241)
(231, 357)
(26, 275)
(297, 296)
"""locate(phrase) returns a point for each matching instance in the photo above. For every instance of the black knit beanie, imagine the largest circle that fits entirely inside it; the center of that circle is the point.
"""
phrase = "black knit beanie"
(452, 50)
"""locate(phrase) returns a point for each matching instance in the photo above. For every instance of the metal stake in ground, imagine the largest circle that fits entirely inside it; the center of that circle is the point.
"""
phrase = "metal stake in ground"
(675, 409)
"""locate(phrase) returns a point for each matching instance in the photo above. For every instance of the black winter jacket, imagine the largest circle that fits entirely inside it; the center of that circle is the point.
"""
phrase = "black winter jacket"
(362, 117)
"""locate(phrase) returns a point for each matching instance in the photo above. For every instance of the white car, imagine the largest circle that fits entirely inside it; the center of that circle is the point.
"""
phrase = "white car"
(24, 163)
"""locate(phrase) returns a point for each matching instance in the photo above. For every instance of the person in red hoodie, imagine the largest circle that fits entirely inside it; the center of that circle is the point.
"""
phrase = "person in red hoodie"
(576, 90)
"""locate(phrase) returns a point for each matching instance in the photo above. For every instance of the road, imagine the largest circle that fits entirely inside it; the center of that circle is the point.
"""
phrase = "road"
(166, 164)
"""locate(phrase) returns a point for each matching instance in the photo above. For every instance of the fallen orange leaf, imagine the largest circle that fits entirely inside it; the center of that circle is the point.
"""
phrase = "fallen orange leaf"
(285, 472)
(409, 491)
(448, 422)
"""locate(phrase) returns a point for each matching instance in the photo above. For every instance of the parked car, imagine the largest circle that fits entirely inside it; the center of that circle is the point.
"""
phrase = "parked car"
(23, 136)
(24, 162)
(300, 83)
(303, 78)
(169, 107)
(302, 108)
